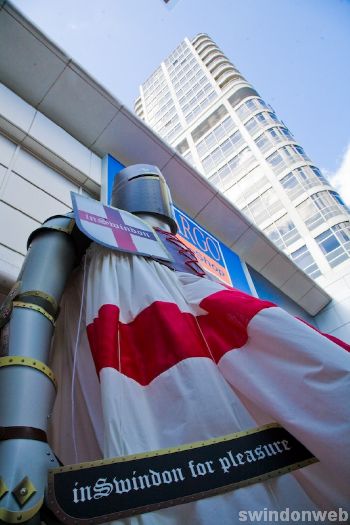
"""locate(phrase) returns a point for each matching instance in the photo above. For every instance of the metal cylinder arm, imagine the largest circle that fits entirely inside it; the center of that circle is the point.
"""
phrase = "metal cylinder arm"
(27, 385)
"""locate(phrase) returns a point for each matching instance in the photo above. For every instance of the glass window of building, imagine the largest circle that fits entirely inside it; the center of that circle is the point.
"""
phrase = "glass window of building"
(301, 179)
(215, 136)
(319, 207)
(182, 147)
(276, 161)
(230, 172)
(255, 182)
(286, 156)
(248, 106)
(292, 185)
(260, 121)
(208, 123)
(335, 243)
(264, 207)
(225, 150)
(303, 258)
(283, 232)
(269, 138)
(310, 214)
(189, 158)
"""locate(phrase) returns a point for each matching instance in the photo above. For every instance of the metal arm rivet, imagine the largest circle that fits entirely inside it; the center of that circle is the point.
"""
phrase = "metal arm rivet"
(24, 491)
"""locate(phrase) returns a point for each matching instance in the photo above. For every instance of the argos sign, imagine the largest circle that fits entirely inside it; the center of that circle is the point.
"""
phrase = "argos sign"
(206, 248)
(213, 255)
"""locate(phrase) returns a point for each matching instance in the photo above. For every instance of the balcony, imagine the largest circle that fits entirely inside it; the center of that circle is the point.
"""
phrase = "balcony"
(138, 103)
(199, 38)
(253, 127)
(206, 46)
(217, 61)
(228, 78)
(202, 45)
(218, 57)
(286, 164)
(211, 53)
(274, 142)
(244, 111)
(222, 69)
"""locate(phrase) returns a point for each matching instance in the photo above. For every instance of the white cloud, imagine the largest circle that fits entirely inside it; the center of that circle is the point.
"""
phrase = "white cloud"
(341, 178)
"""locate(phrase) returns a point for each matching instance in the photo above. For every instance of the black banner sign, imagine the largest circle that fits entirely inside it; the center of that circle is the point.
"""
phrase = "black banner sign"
(116, 488)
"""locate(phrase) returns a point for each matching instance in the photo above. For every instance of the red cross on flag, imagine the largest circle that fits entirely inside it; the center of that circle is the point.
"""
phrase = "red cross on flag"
(116, 229)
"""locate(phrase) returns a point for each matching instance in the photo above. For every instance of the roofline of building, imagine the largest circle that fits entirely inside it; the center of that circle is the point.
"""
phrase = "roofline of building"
(54, 84)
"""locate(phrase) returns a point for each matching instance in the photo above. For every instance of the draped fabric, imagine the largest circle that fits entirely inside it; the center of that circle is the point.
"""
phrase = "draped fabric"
(165, 358)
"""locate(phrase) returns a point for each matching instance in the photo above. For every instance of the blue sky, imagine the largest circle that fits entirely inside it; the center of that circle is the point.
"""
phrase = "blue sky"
(294, 52)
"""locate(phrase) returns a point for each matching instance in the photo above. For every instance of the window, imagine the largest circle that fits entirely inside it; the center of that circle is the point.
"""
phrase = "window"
(230, 171)
(282, 232)
(263, 207)
(301, 179)
(208, 123)
(215, 136)
(222, 152)
(286, 156)
(275, 160)
(301, 152)
(335, 243)
(273, 234)
(248, 106)
(261, 120)
(292, 186)
(303, 258)
(189, 158)
(319, 207)
(271, 137)
(318, 174)
(182, 147)
(249, 185)
(262, 142)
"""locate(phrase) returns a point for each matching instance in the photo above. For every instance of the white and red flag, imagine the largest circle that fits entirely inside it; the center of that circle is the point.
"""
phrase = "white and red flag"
(175, 358)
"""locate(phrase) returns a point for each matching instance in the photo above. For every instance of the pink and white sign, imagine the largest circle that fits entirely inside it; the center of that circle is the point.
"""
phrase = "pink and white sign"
(116, 229)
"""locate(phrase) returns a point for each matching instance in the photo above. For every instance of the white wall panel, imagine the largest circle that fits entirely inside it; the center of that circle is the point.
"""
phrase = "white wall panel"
(95, 168)
(15, 109)
(10, 265)
(35, 171)
(73, 99)
(29, 65)
(328, 319)
(60, 142)
(2, 176)
(23, 196)
(8, 256)
(335, 318)
(15, 229)
(7, 149)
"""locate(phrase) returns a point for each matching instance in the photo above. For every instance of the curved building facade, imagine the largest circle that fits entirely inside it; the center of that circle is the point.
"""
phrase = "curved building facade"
(199, 102)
